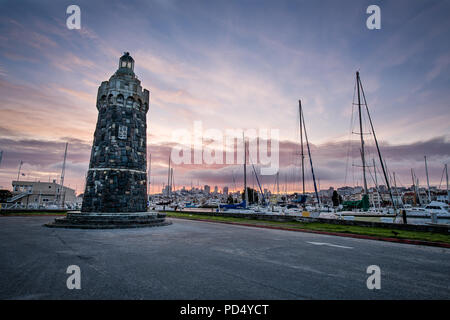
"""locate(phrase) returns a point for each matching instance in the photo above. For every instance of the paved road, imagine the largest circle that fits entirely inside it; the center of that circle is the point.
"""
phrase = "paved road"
(200, 260)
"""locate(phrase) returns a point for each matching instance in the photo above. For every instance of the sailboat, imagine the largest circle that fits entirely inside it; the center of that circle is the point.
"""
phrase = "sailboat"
(364, 204)
(434, 209)
(239, 207)
(297, 206)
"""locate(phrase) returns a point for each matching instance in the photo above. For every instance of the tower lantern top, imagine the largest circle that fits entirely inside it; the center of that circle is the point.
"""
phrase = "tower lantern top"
(126, 63)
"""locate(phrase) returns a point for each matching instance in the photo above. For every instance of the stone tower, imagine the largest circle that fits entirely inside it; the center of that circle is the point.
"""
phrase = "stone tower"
(117, 176)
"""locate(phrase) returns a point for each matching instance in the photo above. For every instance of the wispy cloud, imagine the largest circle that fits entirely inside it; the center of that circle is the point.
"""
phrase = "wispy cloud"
(221, 62)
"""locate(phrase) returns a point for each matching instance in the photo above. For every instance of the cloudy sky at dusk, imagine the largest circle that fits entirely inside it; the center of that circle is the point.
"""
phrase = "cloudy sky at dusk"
(230, 64)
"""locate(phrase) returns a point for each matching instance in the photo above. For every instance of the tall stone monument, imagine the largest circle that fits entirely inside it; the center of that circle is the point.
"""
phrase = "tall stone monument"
(117, 178)
(116, 182)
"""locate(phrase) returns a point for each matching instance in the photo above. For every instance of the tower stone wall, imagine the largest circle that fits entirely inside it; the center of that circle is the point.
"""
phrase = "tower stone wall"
(117, 176)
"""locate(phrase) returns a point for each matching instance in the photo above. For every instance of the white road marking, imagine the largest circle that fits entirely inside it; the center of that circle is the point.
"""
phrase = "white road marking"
(328, 244)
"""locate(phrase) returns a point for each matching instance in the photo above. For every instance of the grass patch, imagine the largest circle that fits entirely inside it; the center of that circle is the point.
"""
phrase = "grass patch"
(328, 227)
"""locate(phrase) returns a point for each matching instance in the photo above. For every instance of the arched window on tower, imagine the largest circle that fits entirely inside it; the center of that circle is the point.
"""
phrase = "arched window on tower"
(120, 100)
(130, 102)
(103, 101)
(138, 104)
(110, 99)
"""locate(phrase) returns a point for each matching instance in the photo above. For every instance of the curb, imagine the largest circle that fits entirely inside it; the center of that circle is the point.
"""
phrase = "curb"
(339, 234)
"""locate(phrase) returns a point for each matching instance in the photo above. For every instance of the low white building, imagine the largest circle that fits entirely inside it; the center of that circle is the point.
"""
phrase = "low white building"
(32, 194)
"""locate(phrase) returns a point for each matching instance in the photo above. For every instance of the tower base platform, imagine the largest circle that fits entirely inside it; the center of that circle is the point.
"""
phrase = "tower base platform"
(91, 220)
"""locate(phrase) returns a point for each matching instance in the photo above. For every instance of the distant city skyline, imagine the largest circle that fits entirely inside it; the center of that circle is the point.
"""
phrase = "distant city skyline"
(229, 64)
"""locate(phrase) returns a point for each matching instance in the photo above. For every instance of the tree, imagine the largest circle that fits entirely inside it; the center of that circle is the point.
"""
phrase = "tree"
(335, 198)
(4, 195)
(230, 199)
(252, 195)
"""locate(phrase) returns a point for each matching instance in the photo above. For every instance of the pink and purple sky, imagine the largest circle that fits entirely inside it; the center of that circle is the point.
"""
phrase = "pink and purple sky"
(231, 64)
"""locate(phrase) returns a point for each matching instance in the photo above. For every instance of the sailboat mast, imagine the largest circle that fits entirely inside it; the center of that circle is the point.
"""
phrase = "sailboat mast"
(245, 172)
(396, 189)
(285, 188)
(63, 172)
(149, 173)
(310, 161)
(376, 183)
(361, 133)
(428, 181)
(446, 176)
(383, 166)
(168, 180)
(414, 187)
(259, 185)
(172, 181)
(278, 186)
(301, 146)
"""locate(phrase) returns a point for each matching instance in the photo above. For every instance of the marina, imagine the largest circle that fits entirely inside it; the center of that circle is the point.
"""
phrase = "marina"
(225, 159)
(358, 207)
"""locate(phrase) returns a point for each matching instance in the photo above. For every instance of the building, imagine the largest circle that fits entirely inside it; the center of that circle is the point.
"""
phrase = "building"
(345, 191)
(225, 191)
(42, 194)
(442, 196)
(117, 176)
(207, 189)
(374, 197)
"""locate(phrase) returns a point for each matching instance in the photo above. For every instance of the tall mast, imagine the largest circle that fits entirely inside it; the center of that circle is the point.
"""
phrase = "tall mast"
(383, 167)
(245, 171)
(428, 181)
(448, 192)
(376, 183)
(418, 190)
(285, 188)
(278, 186)
(395, 185)
(63, 171)
(310, 160)
(414, 187)
(301, 146)
(375, 173)
(253, 180)
(168, 180)
(149, 172)
(172, 181)
(361, 133)
(318, 182)
(259, 185)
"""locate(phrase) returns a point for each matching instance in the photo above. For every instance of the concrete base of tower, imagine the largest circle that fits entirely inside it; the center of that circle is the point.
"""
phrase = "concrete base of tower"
(94, 220)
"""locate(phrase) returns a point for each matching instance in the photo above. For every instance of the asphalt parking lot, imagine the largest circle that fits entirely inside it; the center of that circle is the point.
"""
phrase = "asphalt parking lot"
(201, 260)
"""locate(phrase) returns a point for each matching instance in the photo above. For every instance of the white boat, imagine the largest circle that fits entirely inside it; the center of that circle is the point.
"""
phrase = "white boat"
(441, 209)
